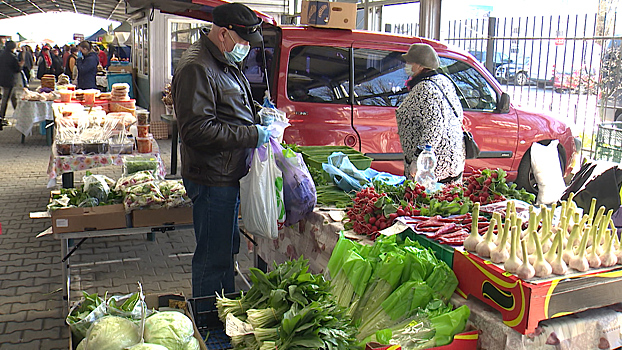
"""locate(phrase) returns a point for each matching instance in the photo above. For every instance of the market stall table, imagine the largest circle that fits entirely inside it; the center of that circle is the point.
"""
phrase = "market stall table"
(27, 113)
(66, 252)
(66, 165)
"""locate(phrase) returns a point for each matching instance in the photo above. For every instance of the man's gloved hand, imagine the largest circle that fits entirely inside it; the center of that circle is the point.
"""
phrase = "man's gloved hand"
(263, 135)
(267, 119)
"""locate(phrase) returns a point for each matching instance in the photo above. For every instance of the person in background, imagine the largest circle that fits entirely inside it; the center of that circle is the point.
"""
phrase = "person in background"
(103, 57)
(57, 63)
(66, 53)
(431, 114)
(10, 66)
(26, 56)
(218, 133)
(87, 66)
(70, 68)
(44, 63)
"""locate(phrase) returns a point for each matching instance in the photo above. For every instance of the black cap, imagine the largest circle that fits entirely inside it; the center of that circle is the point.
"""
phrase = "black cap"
(240, 18)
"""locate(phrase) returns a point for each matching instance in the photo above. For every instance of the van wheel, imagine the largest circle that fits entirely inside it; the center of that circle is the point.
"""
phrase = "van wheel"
(521, 78)
(526, 179)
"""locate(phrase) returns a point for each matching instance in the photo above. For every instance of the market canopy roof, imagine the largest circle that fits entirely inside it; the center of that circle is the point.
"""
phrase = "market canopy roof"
(117, 10)
(107, 9)
(101, 32)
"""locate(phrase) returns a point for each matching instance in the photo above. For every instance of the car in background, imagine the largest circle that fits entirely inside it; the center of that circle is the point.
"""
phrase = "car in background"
(507, 68)
(514, 72)
(582, 80)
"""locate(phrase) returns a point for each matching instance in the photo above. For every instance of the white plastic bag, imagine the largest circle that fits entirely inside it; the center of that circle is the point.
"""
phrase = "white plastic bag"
(261, 192)
(548, 172)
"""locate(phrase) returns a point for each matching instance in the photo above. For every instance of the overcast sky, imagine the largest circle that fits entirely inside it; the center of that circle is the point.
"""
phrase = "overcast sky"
(58, 27)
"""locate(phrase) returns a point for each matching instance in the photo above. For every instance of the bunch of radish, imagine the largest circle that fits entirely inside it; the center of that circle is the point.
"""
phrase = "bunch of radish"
(372, 212)
(574, 243)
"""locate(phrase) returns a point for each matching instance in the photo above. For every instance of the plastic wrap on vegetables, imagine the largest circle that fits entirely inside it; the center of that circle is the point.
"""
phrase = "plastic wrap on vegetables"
(97, 186)
(144, 195)
(134, 179)
(175, 193)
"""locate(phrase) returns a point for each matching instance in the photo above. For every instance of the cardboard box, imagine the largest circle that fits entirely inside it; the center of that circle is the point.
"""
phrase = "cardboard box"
(341, 15)
(105, 217)
(523, 304)
(120, 69)
(158, 217)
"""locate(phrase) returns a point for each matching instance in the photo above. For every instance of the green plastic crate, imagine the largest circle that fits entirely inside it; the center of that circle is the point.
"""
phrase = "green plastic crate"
(314, 156)
(442, 252)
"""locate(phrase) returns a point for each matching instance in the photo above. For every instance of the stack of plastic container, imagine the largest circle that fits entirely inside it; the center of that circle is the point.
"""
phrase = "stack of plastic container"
(143, 139)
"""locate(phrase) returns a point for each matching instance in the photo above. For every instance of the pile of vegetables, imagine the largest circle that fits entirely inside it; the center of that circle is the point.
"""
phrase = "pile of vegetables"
(376, 206)
(141, 190)
(123, 322)
(288, 308)
(391, 289)
(574, 244)
(96, 190)
(489, 186)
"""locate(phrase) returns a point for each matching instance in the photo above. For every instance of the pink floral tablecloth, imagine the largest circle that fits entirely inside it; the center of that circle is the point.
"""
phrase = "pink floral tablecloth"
(66, 164)
(314, 238)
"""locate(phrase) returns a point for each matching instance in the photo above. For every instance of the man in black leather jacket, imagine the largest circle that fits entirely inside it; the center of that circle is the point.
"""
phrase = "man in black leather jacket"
(218, 125)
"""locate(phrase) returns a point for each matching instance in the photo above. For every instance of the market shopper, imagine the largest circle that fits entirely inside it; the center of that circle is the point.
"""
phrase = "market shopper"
(44, 63)
(431, 114)
(26, 55)
(87, 66)
(71, 69)
(219, 128)
(10, 67)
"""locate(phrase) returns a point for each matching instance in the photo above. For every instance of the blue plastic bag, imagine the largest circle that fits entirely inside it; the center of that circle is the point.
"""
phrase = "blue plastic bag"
(298, 188)
(344, 173)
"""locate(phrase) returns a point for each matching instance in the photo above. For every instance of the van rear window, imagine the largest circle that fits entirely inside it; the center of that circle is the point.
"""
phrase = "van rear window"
(319, 74)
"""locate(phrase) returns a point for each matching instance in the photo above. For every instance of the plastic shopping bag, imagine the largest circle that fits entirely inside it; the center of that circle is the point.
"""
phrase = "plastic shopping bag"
(345, 175)
(298, 187)
(261, 195)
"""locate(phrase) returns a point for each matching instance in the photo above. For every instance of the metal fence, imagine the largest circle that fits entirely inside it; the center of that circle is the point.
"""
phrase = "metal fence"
(567, 65)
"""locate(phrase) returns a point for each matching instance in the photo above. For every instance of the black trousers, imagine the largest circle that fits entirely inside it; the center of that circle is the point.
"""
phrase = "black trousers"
(7, 93)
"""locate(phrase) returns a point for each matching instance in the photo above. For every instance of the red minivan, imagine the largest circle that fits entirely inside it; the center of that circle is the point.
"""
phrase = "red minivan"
(341, 87)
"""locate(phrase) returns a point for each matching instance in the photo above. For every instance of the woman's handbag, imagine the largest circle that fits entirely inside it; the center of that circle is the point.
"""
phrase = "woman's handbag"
(470, 146)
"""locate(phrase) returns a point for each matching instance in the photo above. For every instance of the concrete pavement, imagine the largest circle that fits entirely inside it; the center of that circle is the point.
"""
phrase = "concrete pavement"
(31, 315)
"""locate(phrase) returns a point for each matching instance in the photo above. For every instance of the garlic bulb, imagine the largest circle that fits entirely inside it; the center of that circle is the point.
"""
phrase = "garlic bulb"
(593, 259)
(485, 247)
(608, 258)
(474, 238)
(513, 262)
(497, 218)
(552, 253)
(568, 252)
(525, 271)
(500, 254)
(542, 267)
(558, 266)
(579, 261)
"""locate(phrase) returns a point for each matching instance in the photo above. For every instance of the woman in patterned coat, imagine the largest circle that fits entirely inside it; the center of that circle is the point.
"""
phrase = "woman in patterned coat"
(431, 114)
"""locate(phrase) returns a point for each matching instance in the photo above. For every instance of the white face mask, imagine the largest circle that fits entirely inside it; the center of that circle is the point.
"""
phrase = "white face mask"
(239, 51)
(409, 70)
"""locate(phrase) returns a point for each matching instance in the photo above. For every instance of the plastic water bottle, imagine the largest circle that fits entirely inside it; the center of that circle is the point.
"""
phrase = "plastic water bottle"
(426, 164)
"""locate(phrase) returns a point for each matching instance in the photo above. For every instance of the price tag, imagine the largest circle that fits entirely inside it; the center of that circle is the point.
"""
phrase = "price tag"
(234, 326)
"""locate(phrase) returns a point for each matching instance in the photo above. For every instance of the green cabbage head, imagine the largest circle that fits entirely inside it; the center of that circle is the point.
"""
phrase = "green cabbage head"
(147, 346)
(172, 329)
(112, 333)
